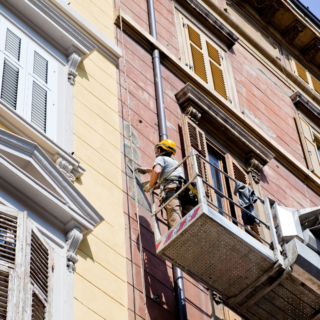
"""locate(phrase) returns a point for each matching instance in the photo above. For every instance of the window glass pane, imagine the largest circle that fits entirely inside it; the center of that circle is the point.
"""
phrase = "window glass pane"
(216, 178)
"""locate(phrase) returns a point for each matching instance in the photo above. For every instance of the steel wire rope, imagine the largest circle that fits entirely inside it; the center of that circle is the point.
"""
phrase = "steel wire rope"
(133, 170)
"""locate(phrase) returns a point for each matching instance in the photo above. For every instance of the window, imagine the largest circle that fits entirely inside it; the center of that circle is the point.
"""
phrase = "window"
(28, 78)
(306, 76)
(310, 139)
(25, 267)
(194, 139)
(203, 56)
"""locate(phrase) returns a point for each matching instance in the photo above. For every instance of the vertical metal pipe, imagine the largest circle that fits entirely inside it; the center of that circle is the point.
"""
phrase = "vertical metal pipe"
(157, 75)
(179, 289)
(159, 95)
(177, 273)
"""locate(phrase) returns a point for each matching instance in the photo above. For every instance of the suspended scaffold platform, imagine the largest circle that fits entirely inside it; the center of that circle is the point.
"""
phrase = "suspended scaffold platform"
(256, 279)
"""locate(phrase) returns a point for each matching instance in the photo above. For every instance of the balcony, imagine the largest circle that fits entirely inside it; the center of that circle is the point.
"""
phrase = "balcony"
(256, 279)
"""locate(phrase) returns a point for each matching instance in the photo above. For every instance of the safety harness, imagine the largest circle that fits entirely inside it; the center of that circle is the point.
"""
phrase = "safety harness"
(189, 196)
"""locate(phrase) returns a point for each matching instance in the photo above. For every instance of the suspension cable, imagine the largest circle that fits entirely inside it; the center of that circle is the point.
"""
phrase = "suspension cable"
(133, 169)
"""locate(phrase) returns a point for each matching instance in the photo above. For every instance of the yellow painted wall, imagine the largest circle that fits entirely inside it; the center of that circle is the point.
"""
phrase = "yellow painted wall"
(98, 12)
(4, 127)
(100, 287)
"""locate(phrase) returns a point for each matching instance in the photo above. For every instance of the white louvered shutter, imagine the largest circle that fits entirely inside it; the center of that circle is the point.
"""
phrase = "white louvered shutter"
(41, 107)
(38, 275)
(12, 222)
(13, 46)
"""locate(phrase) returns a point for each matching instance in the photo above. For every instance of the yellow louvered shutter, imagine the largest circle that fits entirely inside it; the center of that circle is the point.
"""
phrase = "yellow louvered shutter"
(302, 73)
(309, 144)
(194, 139)
(197, 54)
(316, 84)
(216, 70)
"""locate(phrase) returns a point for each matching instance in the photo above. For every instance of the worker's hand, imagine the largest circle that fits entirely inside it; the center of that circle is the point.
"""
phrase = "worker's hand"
(147, 188)
(143, 170)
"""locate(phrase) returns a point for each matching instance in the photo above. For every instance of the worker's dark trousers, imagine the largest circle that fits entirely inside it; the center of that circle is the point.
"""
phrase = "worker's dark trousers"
(175, 211)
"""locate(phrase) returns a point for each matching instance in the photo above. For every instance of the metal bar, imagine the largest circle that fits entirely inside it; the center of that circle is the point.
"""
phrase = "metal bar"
(271, 271)
(164, 178)
(235, 220)
(175, 195)
(264, 291)
(224, 196)
(213, 165)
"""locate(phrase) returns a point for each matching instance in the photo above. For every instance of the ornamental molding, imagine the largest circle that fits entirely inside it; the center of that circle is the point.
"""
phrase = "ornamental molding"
(311, 51)
(293, 32)
(223, 128)
(254, 167)
(74, 238)
(44, 183)
(66, 168)
(193, 114)
(73, 62)
(270, 11)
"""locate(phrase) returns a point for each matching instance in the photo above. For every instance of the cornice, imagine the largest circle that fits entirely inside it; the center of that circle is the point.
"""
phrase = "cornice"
(64, 27)
(220, 122)
(210, 21)
(15, 147)
(303, 104)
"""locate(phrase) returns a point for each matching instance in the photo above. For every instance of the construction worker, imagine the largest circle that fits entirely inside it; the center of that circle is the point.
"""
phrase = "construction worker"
(161, 167)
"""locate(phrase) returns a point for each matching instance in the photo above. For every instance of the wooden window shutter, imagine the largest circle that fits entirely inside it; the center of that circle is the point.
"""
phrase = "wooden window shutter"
(316, 84)
(12, 224)
(308, 144)
(302, 73)
(38, 274)
(10, 82)
(216, 70)
(195, 45)
(237, 173)
(194, 139)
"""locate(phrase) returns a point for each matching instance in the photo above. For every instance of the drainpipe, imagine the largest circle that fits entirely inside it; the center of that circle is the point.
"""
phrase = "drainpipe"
(157, 75)
(177, 273)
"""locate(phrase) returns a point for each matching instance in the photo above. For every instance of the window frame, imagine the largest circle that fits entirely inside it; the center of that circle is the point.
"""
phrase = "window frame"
(216, 43)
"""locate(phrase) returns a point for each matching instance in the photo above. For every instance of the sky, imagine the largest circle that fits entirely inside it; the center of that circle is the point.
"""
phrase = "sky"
(314, 6)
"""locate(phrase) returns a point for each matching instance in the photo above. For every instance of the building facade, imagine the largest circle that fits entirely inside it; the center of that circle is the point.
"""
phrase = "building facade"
(61, 188)
(240, 84)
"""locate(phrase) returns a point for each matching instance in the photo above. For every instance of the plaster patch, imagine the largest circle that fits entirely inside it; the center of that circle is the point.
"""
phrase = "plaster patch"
(259, 123)
(269, 78)
(240, 86)
(126, 130)
(170, 125)
(127, 151)
(250, 70)
(298, 152)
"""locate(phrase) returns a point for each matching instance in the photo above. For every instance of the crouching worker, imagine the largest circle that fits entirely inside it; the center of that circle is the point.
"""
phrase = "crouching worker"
(183, 203)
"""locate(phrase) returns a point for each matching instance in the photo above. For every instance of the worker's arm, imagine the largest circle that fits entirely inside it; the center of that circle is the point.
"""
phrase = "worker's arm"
(155, 175)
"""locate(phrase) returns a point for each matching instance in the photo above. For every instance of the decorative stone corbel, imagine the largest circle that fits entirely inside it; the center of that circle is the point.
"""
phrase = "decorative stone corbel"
(73, 62)
(255, 167)
(270, 11)
(293, 31)
(312, 50)
(74, 238)
(193, 114)
(66, 168)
